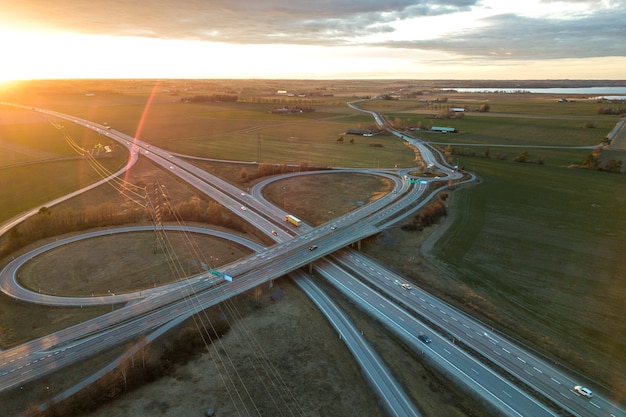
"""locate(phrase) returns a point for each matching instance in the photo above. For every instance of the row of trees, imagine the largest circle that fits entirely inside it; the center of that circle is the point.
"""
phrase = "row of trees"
(142, 363)
(267, 169)
(592, 161)
(612, 110)
(523, 156)
(54, 222)
(48, 222)
(428, 215)
(285, 101)
(196, 210)
(213, 98)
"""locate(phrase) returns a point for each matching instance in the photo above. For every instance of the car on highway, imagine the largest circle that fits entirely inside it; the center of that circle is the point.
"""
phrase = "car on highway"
(424, 338)
(333, 227)
(407, 287)
(274, 232)
(312, 247)
(585, 392)
(243, 208)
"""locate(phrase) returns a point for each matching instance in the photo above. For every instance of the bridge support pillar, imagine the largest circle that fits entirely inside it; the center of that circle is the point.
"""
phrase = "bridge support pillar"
(310, 268)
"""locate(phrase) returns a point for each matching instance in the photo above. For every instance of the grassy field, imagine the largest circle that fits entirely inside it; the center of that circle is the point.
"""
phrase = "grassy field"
(547, 252)
(540, 243)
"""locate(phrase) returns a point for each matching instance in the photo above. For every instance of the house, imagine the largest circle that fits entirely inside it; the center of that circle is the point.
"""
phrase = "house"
(441, 129)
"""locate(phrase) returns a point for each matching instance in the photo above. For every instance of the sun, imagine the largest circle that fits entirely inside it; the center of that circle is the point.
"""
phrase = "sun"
(22, 49)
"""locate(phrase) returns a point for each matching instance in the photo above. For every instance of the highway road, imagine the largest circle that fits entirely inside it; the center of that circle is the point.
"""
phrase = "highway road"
(291, 253)
(69, 345)
(391, 393)
(507, 398)
(455, 327)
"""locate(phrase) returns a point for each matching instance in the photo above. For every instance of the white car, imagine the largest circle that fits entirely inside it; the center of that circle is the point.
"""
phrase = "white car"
(585, 392)
(407, 287)
(243, 208)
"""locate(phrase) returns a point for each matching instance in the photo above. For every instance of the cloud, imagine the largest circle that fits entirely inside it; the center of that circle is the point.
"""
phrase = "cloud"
(511, 36)
(599, 31)
(324, 22)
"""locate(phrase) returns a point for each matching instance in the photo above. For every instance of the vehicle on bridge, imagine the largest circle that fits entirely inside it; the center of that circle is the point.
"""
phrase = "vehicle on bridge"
(293, 220)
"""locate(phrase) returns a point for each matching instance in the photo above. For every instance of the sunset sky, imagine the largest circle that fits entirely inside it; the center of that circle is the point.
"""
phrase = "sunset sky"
(318, 39)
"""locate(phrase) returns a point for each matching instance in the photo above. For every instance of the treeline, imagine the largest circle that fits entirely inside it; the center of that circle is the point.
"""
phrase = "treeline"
(266, 170)
(213, 98)
(592, 161)
(523, 156)
(612, 110)
(54, 222)
(428, 215)
(196, 210)
(48, 222)
(135, 369)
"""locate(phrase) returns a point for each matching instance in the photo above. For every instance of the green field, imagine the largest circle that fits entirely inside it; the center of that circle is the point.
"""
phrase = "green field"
(541, 242)
(545, 246)
(38, 165)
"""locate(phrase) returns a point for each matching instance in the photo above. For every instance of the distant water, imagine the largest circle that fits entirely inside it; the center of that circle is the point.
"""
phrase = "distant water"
(595, 91)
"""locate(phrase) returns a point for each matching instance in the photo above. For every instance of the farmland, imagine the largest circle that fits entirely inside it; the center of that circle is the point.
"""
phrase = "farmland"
(534, 249)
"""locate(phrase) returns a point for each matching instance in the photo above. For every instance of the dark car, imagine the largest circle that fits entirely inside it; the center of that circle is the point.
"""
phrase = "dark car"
(313, 247)
(424, 338)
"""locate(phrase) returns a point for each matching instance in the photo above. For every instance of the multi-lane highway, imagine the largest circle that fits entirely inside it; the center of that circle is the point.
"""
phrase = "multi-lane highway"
(291, 253)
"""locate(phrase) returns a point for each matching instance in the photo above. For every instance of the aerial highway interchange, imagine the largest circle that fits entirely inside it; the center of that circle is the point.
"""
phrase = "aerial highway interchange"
(471, 354)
